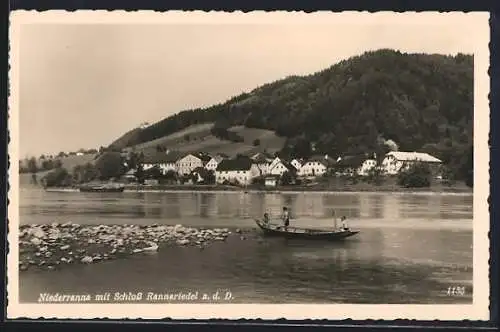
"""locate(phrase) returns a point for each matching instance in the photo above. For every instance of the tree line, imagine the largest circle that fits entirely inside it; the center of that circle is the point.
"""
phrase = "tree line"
(108, 166)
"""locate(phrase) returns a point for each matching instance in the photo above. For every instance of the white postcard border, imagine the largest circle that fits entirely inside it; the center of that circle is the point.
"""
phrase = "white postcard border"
(476, 311)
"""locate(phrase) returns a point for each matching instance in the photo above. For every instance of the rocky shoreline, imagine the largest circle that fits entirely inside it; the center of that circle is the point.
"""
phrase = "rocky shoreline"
(50, 246)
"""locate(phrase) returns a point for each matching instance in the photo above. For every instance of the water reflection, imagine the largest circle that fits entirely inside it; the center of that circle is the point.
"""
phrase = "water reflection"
(276, 271)
(43, 206)
(410, 247)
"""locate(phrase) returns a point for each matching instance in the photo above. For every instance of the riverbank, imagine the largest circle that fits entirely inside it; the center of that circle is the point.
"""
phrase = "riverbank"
(52, 246)
(318, 188)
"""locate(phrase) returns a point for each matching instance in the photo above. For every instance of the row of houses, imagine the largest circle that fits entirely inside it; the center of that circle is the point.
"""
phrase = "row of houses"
(244, 169)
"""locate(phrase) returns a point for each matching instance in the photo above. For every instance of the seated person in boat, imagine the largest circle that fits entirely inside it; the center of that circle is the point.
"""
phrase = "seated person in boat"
(285, 216)
(344, 223)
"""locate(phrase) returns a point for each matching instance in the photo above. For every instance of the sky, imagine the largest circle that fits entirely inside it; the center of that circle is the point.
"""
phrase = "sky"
(84, 85)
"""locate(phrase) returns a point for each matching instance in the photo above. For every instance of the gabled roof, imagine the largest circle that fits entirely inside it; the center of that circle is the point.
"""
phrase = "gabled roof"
(218, 158)
(351, 161)
(185, 154)
(299, 161)
(237, 164)
(287, 165)
(161, 158)
(320, 159)
(413, 156)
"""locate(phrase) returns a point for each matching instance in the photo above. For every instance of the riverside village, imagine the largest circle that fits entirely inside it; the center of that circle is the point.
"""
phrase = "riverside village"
(280, 170)
(162, 168)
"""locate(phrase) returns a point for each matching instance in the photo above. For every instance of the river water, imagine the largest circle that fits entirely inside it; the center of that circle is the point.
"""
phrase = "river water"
(411, 248)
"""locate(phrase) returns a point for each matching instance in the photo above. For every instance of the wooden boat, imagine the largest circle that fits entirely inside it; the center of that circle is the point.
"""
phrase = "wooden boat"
(102, 188)
(303, 233)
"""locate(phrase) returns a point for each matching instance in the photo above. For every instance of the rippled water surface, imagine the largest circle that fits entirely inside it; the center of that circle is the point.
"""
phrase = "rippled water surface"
(411, 247)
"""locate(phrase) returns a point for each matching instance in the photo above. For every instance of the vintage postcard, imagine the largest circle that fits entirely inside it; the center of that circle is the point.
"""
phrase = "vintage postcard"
(248, 165)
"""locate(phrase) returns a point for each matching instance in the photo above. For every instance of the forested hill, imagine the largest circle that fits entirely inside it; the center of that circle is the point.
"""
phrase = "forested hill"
(420, 101)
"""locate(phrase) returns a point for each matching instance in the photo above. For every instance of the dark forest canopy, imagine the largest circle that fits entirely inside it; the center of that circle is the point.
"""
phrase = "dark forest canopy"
(420, 101)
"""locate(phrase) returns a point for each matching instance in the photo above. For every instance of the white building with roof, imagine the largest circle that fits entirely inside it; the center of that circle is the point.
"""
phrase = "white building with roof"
(314, 166)
(297, 163)
(213, 163)
(279, 167)
(395, 161)
(367, 166)
(164, 161)
(239, 170)
(188, 163)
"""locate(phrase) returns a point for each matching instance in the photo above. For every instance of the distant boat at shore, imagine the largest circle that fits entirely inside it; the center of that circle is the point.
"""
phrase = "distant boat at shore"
(106, 188)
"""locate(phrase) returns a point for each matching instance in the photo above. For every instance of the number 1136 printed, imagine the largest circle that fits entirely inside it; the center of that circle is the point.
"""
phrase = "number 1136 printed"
(455, 291)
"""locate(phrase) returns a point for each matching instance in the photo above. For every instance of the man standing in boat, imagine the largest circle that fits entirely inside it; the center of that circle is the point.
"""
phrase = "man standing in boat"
(285, 216)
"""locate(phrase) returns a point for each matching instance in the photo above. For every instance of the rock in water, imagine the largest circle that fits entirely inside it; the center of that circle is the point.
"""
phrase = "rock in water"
(87, 260)
(152, 248)
(37, 232)
(36, 241)
(183, 242)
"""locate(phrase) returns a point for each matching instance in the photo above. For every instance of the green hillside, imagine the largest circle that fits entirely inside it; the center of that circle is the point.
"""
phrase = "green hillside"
(420, 101)
(67, 162)
(129, 138)
(200, 138)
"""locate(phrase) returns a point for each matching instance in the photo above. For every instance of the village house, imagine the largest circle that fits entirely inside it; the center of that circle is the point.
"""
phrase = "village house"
(262, 163)
(273, 162)
(239, 170)
(280, 166)
(351, 165)
(297, 163)
(188, 163)
(164, 161)
(395, 161)
(213, 163)
(367, 166)
(314, 166)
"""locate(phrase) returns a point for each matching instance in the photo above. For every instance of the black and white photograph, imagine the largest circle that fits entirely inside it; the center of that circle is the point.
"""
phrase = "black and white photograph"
(248, 165)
